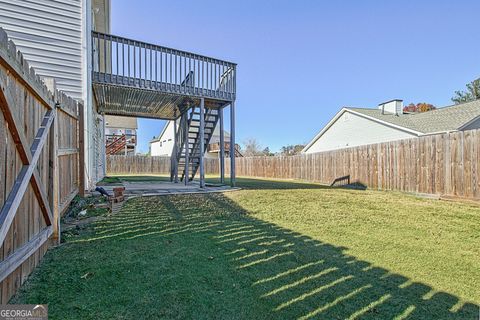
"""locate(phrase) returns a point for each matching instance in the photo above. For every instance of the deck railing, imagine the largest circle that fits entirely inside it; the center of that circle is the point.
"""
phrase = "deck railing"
(122, 61)
(131, 139)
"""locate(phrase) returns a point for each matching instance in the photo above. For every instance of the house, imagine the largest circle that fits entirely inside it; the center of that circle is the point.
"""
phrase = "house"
(121, 135)
(55, 38)
(163, 144)
(70, 45)
(353, 127)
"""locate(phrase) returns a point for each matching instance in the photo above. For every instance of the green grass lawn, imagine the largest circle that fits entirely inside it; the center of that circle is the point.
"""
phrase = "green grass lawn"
(274, 250)
(118, 179)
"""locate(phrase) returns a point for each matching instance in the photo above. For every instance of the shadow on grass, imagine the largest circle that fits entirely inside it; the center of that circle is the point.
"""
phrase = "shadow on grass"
(118, 180)
(242, 182)
(257, 183)
(293, 275)
(143, 178)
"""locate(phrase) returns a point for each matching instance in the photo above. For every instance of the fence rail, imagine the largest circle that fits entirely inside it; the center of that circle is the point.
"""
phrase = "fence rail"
(128, 62)
(445, 164)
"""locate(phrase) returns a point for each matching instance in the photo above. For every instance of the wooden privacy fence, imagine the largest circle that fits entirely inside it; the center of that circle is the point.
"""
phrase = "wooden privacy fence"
(118, 164)
(444, 164)
(39, 166)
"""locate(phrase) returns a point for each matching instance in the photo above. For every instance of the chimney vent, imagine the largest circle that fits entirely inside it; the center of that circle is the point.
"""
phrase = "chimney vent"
(392, 107)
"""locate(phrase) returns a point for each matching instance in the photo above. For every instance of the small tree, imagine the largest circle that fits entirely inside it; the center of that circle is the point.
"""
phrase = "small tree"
(419, 107)
(292, 150)
(252, 148)
(472, 93)
(266, 152)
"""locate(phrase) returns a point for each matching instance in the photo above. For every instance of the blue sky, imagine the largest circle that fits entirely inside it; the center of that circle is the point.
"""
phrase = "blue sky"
(299, 62)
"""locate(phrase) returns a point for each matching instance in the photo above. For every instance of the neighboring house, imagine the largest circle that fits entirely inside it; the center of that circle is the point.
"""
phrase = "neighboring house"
(163, 144)
(353, 127)
(121, 135)
(55, 37)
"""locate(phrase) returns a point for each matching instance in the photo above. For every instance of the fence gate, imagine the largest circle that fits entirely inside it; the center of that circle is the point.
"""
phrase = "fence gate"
(39, 166)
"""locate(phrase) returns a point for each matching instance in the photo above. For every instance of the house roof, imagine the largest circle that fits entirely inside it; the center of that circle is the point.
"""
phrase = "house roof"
(444, 119)
(440, 120)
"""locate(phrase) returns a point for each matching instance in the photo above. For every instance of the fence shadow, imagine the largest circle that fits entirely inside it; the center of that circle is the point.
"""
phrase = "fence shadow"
(297, 276)
(345, 182)
(275, 184)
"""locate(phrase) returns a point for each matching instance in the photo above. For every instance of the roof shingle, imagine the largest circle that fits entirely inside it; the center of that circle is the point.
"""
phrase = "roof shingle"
(440, 120)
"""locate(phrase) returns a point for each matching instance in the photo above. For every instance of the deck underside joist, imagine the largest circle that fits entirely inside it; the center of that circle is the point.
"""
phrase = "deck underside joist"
(113, 99)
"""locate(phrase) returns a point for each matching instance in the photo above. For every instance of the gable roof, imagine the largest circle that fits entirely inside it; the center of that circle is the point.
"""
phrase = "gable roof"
(444, 119)
(449, 118)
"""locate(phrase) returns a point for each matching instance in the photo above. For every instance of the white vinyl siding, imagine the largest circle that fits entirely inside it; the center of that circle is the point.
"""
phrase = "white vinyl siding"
(351, 130)
(49, 34)
(164, 146)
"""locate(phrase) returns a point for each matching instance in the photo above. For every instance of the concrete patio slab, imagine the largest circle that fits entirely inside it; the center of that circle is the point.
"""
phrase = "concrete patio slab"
(155, 188)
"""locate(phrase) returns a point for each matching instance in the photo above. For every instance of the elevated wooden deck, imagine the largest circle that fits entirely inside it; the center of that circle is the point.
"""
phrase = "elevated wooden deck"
(133, 78)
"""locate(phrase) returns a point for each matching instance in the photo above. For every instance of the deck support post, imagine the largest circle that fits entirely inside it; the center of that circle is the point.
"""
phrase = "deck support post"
(175, 149)
(222, 146)
(104, 147)
(202, 142)
(187, 149)
(232, 144)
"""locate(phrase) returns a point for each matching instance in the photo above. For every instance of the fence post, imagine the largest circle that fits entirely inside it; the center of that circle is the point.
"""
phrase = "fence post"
(54, 189)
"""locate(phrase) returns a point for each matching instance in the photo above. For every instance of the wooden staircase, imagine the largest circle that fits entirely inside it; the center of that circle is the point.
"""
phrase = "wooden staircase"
(193, 125)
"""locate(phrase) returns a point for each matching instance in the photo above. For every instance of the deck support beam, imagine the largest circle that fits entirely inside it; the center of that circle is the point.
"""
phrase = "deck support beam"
(222, 146)
(232, 144)
(202, 142)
